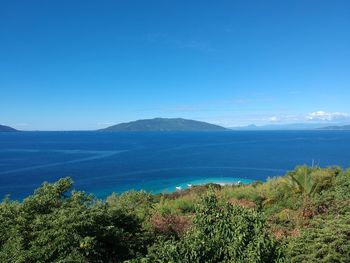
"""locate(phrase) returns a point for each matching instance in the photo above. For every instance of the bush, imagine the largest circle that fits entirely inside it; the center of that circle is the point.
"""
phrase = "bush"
(326, 239)
(55, 226)
(220, 233)
(170, 225)
(307, 211)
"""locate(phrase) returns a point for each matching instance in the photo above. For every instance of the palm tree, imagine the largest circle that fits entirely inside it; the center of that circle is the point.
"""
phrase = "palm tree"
(308, 181)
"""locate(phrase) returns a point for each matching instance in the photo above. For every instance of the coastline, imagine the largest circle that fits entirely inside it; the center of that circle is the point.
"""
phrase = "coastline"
(214, 180)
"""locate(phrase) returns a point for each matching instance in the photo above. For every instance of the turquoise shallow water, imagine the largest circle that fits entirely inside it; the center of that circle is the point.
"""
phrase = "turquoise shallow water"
(102, 163)
(216, 180)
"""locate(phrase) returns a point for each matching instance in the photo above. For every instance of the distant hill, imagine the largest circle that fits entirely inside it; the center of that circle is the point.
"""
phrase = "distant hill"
(280, 127)
(164, 124)
(344, 127)
(4, 128)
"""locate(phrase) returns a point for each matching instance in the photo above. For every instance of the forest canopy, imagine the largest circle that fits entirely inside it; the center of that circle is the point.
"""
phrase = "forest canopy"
(303, 216)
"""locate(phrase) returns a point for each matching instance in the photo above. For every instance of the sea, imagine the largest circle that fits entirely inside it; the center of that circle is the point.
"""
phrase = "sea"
(160, 162)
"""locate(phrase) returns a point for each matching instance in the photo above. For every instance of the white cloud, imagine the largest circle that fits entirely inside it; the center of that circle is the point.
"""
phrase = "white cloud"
(284, 118)
(327, 116)
(273, 119)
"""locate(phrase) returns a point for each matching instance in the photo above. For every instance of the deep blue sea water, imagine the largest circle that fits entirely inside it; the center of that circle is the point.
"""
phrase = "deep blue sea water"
(102, 162)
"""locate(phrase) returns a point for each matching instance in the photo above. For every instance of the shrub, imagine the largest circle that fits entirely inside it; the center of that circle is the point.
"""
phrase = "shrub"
(220, 233)
(170, 224)
(56, 226)
(326, 239)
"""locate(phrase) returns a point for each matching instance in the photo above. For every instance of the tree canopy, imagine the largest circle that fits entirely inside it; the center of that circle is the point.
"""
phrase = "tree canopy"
(303, 216)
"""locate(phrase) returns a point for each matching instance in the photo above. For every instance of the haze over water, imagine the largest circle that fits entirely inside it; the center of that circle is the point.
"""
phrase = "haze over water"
(102, 162)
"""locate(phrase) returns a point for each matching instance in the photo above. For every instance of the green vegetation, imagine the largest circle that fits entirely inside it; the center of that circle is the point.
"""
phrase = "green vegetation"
(164, 124)
(303, 216)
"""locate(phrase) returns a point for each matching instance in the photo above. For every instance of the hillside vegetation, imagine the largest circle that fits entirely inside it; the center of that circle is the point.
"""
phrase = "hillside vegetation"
(164, 124)
(303, 216)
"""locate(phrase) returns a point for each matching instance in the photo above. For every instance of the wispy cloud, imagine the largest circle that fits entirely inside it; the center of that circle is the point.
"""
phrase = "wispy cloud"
(327, 116)
(285, 118)
(319, 116)
(274, 119)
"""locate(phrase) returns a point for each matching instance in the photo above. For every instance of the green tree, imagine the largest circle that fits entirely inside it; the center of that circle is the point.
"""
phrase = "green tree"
(220, 233)
(326, 237)
(325, 240)
(137, 203)
(308, 181)
(56, 226)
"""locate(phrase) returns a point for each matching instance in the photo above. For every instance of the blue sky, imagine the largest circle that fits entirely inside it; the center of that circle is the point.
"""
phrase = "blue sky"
(88, 64)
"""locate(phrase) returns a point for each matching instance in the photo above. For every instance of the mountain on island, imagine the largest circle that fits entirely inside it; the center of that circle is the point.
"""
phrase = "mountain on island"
(4, 128)
(164, 124)
(344, 127)
(280, 127)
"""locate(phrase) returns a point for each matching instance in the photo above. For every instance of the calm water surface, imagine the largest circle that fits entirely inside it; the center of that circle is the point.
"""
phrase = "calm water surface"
(102, 162)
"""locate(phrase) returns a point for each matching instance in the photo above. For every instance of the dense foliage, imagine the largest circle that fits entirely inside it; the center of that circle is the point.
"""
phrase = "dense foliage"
(303, 216)
(220, 233)
(164, 124)
(52, 226)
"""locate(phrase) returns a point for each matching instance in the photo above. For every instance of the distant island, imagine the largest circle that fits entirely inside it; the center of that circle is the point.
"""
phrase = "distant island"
(343, 127)
(292, 127)
(164, 124)
(4, 128)
(280, 127)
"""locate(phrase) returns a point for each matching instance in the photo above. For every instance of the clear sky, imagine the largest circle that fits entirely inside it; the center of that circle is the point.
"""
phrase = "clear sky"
(68, 64)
